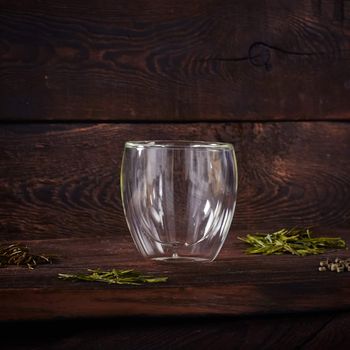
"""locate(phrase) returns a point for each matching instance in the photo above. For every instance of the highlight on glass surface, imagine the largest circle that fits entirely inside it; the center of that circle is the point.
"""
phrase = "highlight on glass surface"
(179, 197)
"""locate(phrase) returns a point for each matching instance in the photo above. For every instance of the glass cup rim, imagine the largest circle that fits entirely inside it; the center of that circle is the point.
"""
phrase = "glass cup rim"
(179, 144)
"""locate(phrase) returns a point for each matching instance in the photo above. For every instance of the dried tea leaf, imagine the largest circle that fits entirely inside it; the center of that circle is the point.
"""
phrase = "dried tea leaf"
(114, 276)
(17, 254)
(290, 241)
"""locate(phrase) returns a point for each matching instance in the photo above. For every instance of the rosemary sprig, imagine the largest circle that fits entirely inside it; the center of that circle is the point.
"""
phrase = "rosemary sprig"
(114, 276)
(291, 241)
(16, 254)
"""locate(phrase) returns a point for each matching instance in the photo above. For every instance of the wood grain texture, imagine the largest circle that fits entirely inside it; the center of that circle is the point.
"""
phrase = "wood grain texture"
(235, 284)
(332, 333)
(163, 60)
(62, 181)
(274, 332)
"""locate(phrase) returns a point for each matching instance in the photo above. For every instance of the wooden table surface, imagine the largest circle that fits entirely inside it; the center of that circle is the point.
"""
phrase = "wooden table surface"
(80, 78)
(235, 289)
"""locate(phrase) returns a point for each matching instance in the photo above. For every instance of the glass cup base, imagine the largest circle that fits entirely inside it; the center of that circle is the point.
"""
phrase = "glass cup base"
(179, 259)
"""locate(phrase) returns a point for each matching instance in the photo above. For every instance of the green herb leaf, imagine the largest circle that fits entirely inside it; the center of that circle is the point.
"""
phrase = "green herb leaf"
(114, 276)
(291, 241)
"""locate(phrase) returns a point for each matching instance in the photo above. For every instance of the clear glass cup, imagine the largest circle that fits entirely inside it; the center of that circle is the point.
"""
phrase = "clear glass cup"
(179, 197)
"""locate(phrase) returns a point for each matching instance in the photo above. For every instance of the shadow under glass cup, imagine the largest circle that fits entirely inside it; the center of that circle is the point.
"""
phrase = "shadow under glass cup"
(179, 197)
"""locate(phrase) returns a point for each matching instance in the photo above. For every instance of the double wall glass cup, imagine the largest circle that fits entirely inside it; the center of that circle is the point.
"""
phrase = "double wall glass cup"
(179, 197)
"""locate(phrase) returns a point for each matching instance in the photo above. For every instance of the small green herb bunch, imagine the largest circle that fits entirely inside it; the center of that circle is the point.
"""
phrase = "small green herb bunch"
(114, 276)
(291, 241)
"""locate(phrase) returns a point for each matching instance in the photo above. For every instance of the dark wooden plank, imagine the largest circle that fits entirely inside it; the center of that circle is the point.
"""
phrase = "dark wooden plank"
(331, 334)
(160, 60)
(63, 180)
(290, 331)
(235, 284)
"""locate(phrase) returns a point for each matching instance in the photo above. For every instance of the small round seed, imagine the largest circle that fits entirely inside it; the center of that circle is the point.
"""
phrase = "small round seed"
(333, 267)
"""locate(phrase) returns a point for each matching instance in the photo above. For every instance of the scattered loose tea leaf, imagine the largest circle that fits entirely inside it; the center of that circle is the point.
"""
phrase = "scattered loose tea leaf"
(291, 241)
(114, 277)
(16, 254)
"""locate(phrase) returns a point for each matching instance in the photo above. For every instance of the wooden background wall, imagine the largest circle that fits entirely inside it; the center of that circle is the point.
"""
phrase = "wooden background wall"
(79, 78)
